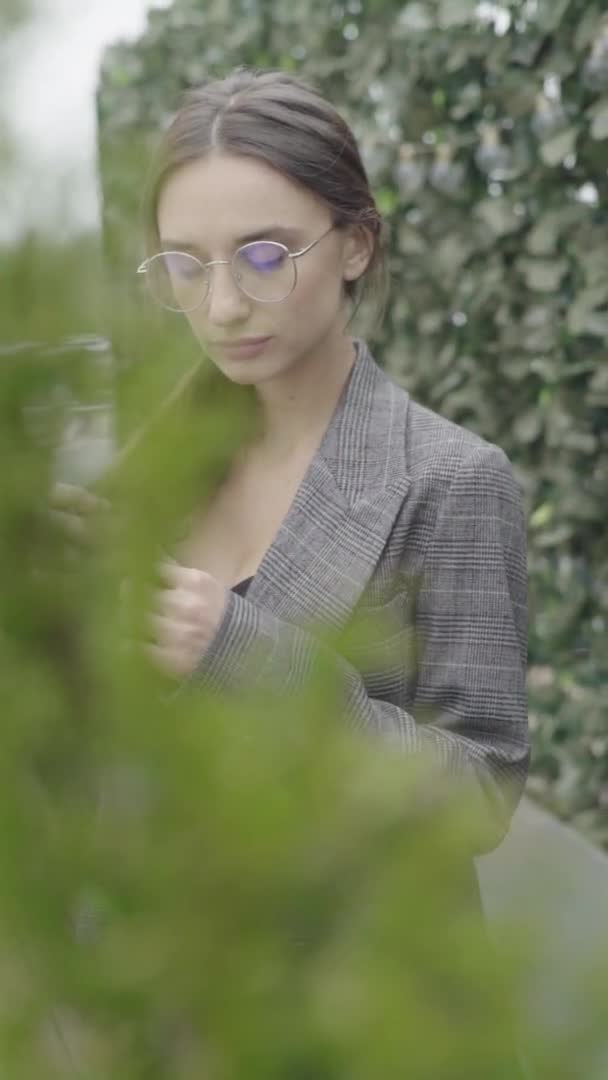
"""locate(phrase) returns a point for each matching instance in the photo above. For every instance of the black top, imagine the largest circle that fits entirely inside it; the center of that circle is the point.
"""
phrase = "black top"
(242, 586)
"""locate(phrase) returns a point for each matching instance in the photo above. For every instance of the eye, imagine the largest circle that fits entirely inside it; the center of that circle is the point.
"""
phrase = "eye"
(264, 256)
(181, 265)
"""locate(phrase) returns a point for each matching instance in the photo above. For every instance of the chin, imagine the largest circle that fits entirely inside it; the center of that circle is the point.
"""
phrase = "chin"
(241, 378)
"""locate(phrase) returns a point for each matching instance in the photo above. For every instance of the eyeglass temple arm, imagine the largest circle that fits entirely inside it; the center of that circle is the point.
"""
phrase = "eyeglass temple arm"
(294, 254)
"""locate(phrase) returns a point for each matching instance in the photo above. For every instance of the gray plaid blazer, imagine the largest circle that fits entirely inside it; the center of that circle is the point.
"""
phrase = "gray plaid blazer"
(406, 515)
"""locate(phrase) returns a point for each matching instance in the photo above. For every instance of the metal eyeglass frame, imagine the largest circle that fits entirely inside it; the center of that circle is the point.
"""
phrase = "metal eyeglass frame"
(143, 268)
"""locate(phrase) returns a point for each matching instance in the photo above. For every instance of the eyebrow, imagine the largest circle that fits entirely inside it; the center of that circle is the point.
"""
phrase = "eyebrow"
(270, 232)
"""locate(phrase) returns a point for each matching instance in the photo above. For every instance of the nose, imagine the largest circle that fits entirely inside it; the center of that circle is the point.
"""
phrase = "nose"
(225, 301)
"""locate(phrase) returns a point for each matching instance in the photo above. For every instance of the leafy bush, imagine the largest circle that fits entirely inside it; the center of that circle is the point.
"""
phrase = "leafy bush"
(195, 885)
(483, 128)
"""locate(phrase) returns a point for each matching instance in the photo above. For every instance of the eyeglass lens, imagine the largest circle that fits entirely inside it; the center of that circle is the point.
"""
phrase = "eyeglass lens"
(263, 270)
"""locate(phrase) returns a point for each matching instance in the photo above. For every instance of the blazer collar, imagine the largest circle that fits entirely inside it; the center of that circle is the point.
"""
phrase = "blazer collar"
(332, 537)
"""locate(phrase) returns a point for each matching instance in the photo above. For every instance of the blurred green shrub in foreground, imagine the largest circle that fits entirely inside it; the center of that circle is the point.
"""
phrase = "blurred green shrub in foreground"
(204, 886)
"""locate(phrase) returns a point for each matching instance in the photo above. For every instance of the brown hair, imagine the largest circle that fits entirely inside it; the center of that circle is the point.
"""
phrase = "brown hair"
(283, 120)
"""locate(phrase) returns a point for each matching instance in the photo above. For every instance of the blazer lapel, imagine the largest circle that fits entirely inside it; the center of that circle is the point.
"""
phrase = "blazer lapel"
(333, 535)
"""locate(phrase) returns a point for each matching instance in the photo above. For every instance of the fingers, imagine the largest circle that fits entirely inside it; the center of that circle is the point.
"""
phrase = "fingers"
(165, 628)
(180, 604)
(177, 576)
(71, 508)
(77, 499)
(177, 624)
(185, 615)
(70, 525)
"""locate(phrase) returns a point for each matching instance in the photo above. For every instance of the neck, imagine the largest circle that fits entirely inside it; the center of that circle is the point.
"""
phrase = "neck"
(297, 406)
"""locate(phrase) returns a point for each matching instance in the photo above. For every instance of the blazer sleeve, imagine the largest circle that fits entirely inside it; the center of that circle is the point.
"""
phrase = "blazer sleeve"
(469, 705)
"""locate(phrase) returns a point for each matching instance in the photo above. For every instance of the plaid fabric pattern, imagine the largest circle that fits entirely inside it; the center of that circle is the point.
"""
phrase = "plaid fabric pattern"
(408, 517)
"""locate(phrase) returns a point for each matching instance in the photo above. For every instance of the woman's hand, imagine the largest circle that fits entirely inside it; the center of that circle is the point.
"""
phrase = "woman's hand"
(74, 509)
(189, 611)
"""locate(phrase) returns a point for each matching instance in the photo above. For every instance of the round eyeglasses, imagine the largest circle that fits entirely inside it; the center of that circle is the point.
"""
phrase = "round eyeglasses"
(264, 270)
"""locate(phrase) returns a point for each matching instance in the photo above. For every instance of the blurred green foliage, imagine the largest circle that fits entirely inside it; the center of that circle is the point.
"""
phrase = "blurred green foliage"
(193, 885)
(484, 129)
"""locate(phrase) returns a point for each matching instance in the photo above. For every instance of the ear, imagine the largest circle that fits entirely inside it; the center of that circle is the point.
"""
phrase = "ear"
(357, 252)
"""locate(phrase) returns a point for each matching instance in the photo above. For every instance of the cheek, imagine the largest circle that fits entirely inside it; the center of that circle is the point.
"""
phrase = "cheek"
(317, 293)
(316, 298)
(198, 326)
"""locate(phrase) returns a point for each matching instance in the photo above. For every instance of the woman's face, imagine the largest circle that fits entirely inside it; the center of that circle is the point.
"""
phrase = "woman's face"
(207, 207)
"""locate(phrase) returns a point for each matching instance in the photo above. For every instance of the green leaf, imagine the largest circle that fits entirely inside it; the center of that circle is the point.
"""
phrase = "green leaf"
(544, 275)
(586, 443)
(544, 237)
(542, 515)
(499, 215)
(587, 28)
(554, 150)
(593, 259)
(410, 240)
(557, 536)
(528, 425)
(453, 251)
(386, 199)
(582, 315)
(596, 324)
(456, 13)
(599, 124)
(468, 101)
(416, 18)
(550, 13)
(431, 322)
(460, 54)
(597, 390)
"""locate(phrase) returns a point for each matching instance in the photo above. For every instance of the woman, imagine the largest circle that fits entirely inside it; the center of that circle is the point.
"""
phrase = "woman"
(263, 229)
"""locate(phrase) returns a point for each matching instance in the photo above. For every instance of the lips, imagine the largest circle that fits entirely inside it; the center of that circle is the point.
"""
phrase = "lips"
(242, 341)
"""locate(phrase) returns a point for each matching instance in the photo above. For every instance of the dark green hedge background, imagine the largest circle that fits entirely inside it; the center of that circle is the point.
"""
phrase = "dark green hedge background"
(484, 129)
